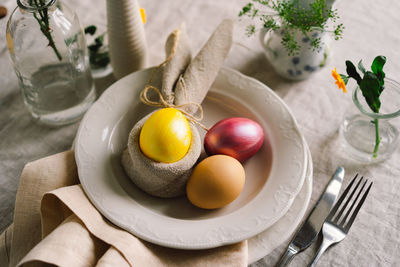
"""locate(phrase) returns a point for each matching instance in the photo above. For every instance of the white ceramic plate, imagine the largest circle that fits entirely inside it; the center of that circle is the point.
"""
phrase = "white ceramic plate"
(274, 176)
(265, 242)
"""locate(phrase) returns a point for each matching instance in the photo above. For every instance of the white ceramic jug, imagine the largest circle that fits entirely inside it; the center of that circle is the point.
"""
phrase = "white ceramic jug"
(301, 65)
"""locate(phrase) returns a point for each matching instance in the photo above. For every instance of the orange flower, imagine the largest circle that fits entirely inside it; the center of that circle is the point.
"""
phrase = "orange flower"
(339, 81)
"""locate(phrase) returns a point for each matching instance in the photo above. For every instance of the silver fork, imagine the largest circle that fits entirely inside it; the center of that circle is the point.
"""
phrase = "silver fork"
(335, 228)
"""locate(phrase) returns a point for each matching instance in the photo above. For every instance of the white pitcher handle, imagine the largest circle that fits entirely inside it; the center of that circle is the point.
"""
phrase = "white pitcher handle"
(263, 33)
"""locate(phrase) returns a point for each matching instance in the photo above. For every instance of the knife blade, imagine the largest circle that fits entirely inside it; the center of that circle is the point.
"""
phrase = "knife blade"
(309, 230)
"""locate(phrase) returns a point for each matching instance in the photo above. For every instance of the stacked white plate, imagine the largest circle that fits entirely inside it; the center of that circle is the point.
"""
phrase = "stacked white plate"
(278, 177)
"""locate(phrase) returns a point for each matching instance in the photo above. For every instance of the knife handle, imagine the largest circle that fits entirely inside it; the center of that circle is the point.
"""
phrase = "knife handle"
(287, 257)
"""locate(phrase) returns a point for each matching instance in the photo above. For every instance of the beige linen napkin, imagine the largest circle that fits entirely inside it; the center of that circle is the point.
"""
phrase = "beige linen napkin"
(63, 228)
(185, 82)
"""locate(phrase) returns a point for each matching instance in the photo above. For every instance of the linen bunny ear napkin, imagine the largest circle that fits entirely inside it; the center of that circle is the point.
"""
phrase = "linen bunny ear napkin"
(185, 84)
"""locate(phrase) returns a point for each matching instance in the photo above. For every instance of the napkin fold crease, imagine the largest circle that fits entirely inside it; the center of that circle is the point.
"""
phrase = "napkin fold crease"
(63, 228)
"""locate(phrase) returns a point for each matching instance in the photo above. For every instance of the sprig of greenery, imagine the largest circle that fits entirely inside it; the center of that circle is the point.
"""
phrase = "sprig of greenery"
(371, 85)
(290, 16)
(97, 56)
(372, 82)
(42, 17)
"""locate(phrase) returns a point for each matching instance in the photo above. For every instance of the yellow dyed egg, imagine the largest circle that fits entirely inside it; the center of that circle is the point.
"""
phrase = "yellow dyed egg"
(215, 182)
(165, 136)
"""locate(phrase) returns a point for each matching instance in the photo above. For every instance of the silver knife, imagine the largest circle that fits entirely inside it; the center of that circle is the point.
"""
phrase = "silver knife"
(308, 232)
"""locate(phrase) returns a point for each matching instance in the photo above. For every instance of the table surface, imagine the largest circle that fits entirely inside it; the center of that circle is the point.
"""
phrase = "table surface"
(372, 28)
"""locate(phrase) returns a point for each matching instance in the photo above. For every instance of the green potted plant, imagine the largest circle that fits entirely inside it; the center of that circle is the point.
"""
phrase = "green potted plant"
(297, 31)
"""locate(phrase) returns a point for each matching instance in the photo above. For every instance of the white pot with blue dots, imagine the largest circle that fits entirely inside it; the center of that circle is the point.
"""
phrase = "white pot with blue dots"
(301, 65)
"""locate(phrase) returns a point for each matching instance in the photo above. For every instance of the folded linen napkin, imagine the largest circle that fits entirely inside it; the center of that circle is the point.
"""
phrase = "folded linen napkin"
(63, 228)
(181, 88)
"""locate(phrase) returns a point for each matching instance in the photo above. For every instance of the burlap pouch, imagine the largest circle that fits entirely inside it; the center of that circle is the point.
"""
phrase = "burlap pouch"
(180, 90)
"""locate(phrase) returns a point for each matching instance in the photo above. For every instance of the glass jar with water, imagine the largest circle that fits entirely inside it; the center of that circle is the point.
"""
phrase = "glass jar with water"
(370, 137)
(47, 47)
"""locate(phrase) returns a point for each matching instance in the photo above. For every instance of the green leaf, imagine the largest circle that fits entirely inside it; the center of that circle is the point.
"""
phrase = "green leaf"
(361, 67)
(352, 72)
(99, 60)
(370, 88)
(377, 64)
(262, 2)
(270, 23)
(71, 40)
(90, 30)
(245, 9)
(98, 43)
(377, 68)
(94, 47)
(255, 12)
(250, 30)
(338, 31)
(99, 40)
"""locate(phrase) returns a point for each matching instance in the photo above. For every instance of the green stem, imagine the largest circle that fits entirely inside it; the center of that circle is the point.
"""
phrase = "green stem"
(45, 28)
(377, 138)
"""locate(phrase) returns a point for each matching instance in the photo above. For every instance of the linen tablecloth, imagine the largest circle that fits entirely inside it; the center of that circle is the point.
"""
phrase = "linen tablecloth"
(372, 28)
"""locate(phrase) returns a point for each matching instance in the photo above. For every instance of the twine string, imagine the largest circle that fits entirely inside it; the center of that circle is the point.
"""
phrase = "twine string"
(164, 104)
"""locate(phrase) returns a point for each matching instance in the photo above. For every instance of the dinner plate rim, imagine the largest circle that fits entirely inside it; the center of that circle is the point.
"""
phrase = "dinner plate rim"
(256, 253)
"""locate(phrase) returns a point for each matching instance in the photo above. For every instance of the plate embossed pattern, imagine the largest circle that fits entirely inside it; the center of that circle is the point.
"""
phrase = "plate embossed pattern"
(101, 138)
(264, 243)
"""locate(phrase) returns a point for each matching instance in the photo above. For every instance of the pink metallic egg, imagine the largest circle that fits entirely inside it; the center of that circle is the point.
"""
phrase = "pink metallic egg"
(237, 137)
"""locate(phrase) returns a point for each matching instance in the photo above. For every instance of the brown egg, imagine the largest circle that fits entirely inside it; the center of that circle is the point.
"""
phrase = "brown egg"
(215, 182)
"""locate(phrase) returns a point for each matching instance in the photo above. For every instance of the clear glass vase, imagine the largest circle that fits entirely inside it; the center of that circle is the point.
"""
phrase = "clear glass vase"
(47, 46)
(369, 137)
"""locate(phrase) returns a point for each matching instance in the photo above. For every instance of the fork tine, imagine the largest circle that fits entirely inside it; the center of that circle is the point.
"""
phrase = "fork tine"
(347, 227)
(353, 203)
(337, 205)
(341, 211)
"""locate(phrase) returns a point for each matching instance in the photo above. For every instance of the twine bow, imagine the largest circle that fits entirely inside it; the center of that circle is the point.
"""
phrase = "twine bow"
(161, 101)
